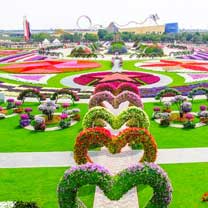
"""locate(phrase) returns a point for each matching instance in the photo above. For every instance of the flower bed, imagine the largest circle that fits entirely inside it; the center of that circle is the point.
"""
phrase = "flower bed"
(102, 137)
(49, 67)
(114, 187)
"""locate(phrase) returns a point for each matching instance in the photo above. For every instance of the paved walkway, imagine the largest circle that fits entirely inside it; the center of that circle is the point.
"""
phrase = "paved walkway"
(116, 163)
(65, 159)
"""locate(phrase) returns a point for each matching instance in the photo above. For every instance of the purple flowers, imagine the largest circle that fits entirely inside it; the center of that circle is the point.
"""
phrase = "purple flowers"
(10, 100)
(203, 107)
(28, 110)
(156, 109)
(189, 116)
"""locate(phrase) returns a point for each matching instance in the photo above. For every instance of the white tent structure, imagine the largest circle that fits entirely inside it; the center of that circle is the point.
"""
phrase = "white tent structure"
(46, 42)
(56, 42)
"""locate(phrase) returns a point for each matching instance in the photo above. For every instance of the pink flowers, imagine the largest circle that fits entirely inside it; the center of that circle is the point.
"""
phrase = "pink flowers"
(63, 116)
(65, 105)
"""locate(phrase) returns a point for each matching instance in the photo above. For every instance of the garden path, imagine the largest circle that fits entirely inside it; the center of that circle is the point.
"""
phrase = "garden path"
(65, 159)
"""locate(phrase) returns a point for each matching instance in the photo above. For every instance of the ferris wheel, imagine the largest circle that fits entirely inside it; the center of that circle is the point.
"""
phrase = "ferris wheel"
(86, 18)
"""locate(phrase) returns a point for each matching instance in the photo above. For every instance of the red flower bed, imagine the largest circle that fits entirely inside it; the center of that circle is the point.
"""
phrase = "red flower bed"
(49, 66)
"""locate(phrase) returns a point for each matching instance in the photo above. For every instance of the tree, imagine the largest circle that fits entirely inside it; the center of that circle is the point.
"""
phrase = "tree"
(67, 37)
(102, 33)
(77, 37)
(91, 37)
(40, 37)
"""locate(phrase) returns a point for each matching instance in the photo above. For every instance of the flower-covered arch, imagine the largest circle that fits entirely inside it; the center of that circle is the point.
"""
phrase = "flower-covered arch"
(137, 116)
(65, 92)
(114, 187)
(102, 137)
(98, 99)
(198, 91)
(167, 92)
(28, 93)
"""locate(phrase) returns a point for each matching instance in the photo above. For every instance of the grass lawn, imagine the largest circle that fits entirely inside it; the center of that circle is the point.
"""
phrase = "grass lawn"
(39, 184)
(15, 139)
(168, 137)
(189, 181)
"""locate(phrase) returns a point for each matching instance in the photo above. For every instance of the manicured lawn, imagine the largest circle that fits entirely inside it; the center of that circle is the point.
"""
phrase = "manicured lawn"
(168, 137)
(15, 139)
(39, 184)
(189, 182)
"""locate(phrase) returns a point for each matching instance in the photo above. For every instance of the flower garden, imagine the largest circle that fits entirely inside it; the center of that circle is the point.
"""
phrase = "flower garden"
(114, 133)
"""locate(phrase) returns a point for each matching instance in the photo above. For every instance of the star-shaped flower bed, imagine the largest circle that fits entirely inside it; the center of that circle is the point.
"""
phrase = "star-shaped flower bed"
(137, 78)
(169, 65)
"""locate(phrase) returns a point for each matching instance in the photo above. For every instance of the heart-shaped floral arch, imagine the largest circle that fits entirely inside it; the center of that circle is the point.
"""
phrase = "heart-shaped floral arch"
(98, 99)
(114, 187)
(137, 116)
(102, 137)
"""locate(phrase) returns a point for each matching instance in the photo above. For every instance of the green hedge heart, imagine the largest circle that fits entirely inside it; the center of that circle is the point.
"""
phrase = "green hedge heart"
(136, 116)
(114, 187)
(102, 137)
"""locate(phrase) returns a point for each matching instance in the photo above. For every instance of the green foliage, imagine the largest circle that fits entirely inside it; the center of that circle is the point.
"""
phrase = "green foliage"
(40, 37)
(91, 37)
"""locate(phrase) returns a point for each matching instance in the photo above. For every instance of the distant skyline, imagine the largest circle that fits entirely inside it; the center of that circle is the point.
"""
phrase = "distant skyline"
(45, 14)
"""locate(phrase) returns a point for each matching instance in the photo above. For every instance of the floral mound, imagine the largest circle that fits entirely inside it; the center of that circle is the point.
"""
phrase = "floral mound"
(137, 78)
(114, 187)
(49, 66)
(98, 99)
(136, 116)
(102, 137)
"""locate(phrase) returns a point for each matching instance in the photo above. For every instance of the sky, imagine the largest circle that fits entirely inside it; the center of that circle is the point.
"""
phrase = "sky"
(49, 14)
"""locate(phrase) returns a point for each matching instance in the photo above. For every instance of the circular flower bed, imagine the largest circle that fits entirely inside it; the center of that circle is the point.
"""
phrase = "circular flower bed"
(114, 187)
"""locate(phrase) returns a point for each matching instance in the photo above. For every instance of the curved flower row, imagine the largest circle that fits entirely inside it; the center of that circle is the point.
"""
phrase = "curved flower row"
(98, 99)
(102, 137)
(137, 116)
(114, 187)
(198, 91)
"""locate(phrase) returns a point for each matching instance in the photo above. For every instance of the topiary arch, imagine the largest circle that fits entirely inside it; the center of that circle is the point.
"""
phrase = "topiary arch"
(34, 93)
(98, 99)
(114, 187)
(65, 92)
(167, 92)
(136, 116)
(198, 91)
(102, 137)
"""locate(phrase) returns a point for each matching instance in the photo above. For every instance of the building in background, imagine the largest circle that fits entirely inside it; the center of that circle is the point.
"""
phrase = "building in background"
(171, 28)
